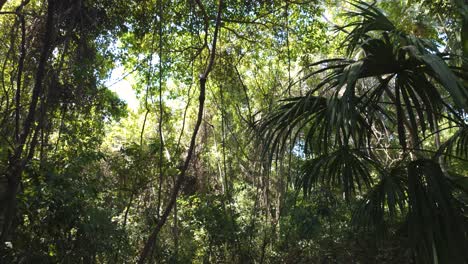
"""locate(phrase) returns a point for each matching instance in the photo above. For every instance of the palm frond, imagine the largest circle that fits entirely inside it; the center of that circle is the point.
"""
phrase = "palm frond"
(456, 145)
(324, 124)
(369, 18)
(437, 68)
(406, 84)
(436, 224)
(387, 197)
(345, 168)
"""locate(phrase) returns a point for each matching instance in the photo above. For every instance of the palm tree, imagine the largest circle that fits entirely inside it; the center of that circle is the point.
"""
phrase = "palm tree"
(365, 128)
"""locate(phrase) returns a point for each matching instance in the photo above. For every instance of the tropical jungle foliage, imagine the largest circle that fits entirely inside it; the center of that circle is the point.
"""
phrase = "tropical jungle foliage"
(228, 131)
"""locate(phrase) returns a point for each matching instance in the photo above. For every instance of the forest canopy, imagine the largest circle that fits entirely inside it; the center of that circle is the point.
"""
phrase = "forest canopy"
(233, 131)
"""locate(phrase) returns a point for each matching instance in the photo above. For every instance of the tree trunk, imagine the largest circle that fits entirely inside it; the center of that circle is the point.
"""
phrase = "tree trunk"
(464, 39)
(180, 178)
(16, 161)
(2, 2)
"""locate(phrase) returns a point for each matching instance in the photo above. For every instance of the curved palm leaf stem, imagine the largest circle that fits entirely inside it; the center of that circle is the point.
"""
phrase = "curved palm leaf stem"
(435, 132)
(446, 144)
(451, 110)
(412, 149)
(448, 117)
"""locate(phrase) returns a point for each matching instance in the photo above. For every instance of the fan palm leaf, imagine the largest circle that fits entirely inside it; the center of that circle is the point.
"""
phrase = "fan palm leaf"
(387, 197)
(456, 145)
(436, 224)
(322, 125)
(420, 192)
(347, 168)
(407, 86)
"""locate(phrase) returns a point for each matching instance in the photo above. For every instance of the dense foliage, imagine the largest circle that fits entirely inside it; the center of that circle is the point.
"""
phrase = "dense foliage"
(265, 131)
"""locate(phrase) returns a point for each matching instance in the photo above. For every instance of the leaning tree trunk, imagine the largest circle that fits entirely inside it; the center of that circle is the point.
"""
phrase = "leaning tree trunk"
(180, 178)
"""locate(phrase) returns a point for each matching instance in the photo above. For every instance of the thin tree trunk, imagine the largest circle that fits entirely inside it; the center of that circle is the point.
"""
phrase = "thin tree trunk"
(161, 111)
(464, 38)
(19, 77)
(17, 163)
(180, 178)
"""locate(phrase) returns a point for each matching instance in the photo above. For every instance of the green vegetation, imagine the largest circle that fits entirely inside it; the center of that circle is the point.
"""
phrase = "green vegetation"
(265, 131)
